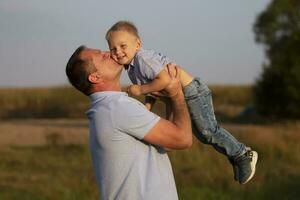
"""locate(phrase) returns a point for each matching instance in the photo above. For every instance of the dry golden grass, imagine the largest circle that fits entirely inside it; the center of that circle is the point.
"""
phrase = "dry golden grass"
(66, 102)
(55, 102)
(39, 132)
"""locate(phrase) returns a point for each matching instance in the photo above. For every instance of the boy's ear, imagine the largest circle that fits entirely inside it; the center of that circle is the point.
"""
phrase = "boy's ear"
(138, 43)
(94, 78)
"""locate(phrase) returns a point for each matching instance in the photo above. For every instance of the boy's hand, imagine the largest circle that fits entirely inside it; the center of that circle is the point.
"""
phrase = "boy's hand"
(134, 90)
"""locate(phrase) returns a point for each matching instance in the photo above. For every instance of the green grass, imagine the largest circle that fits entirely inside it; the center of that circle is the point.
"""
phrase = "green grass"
(202, 173)
(64, 172)
(47, 172)
(238, 95)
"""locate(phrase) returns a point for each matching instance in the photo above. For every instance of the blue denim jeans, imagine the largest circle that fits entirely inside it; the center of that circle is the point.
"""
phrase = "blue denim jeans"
(205, 127)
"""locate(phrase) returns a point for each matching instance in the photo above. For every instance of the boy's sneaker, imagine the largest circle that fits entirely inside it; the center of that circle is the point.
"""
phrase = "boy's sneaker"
(244, 166)
(235, 170)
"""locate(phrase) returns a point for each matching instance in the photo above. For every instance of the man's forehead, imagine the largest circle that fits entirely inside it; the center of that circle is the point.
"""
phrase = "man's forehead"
(87, 53)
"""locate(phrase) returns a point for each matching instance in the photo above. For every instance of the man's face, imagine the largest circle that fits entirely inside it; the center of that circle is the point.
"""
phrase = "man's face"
(123, 46)
(106, 67)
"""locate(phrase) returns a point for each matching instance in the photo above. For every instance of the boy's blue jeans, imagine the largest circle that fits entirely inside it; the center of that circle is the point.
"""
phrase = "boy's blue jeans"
(205, 127)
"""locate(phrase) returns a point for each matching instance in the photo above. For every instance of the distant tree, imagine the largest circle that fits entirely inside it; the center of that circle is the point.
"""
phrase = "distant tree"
(277, 91)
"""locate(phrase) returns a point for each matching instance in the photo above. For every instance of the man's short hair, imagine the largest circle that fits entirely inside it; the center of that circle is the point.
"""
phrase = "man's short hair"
(126, 26)
(78, 70)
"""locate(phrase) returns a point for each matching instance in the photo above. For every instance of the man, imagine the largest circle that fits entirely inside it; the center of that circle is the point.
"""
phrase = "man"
(127, 141)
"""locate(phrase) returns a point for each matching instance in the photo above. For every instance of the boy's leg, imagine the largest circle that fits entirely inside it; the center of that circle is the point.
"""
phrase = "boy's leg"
(205, 126)
(207, 130)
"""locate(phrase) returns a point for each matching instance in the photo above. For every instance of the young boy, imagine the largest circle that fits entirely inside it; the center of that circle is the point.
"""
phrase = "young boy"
(146, 71)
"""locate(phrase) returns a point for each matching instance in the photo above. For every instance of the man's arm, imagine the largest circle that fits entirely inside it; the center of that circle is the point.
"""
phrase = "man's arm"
(178, 133)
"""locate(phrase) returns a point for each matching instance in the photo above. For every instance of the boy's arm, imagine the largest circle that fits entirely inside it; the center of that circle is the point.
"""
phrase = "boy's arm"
(158, 84)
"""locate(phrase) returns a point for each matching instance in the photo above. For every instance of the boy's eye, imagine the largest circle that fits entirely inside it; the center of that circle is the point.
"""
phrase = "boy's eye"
(123, 46)
(113, 50)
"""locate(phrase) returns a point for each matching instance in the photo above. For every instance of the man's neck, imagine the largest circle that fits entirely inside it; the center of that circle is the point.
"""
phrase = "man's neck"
(111, 87)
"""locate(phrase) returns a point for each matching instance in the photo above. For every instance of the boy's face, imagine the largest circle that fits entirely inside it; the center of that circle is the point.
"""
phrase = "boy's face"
(123, 46)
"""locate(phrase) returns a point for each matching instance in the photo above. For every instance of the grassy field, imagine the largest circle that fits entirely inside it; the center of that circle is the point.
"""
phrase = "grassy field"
(56, 102)
(48, 159)
(65, 102)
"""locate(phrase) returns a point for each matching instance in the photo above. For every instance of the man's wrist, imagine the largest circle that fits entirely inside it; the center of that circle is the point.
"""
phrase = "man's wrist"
(176, 95)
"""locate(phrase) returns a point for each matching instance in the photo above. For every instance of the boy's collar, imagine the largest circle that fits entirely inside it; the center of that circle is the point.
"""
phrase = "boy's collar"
(130, 64)
(132, 61)
(126, 66)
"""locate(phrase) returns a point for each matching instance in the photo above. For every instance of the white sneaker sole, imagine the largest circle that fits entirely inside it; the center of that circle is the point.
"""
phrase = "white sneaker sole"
(252, 165)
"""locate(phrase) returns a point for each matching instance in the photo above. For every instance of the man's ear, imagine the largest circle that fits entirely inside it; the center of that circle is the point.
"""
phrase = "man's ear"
(95, 78)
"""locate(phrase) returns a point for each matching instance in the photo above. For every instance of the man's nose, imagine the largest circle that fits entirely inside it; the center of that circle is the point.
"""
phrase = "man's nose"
(106, 53)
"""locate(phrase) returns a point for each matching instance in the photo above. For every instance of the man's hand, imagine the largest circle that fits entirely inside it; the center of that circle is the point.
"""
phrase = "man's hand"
(177, 133)
(134, 90)
(174, 86)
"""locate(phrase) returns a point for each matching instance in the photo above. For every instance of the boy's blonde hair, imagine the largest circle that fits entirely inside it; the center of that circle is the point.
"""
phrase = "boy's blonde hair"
(123, 26)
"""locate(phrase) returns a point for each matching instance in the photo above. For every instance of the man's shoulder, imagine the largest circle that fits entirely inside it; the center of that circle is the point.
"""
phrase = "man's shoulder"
(116, 105)
(131, 116)
(110, 99)
(122, 101)
(129, 104)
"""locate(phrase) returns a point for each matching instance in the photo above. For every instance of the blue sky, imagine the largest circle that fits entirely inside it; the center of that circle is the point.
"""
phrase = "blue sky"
(211, 39)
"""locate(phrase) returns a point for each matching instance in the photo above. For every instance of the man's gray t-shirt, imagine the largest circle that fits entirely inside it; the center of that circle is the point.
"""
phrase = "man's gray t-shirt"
(146, 65)
(125, 166)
